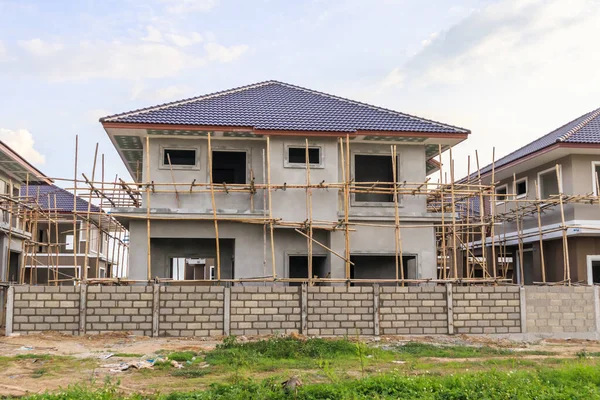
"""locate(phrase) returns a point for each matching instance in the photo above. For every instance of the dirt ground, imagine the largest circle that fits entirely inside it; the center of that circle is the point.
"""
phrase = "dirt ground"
(18, 377)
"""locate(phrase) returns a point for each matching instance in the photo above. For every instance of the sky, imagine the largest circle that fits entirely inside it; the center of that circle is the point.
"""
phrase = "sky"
(508, 70)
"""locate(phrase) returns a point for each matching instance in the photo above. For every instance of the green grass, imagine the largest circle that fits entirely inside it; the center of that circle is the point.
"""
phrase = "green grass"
(30, 356)
(38, 373)
(181, 356)
(416, 349)
(568, 382)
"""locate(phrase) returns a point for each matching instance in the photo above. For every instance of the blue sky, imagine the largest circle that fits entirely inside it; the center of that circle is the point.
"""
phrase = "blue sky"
(509, 70)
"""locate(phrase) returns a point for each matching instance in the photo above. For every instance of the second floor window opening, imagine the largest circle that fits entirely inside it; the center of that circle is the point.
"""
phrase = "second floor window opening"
(548, 183)
(228, 167)
(521, 188)
(179, 157)
(372, 169)
(501, 193)
(297, 155)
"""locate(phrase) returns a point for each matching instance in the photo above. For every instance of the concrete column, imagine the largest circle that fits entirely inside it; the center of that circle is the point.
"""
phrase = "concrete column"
(227, 311)
(523, 308)
(304, 309)
(155, 309)
(82, 307)
(450, 308)
(596, 308)
(10, 302)
(338, 244)
(376, 309)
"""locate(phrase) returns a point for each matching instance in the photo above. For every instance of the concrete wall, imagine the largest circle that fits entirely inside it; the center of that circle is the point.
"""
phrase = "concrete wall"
(557, 309)
(265, 310)
(191, 311)
(338, 311)
(202, 311)
(413, 310)
(487, 309)
(45, 308)
(119, 308)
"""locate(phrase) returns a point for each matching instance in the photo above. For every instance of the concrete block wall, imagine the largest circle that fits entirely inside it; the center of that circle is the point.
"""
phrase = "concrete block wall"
(201, 311)
(340, 311)
(191, 311)
(557, 309)
(46, 308)
(486, 309)
(265, 310)
(413, 310)
(119, 308)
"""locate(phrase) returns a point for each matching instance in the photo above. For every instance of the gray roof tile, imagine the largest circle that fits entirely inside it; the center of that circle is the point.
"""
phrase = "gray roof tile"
(275, 105)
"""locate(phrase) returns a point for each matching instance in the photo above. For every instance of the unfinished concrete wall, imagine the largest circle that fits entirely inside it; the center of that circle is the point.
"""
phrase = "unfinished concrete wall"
(46, 308)
(413, 310)
(191, 311)
(201, 311)
(340, 311)
(486, 309)
(265, 310)
(558, 309)
(119, 308)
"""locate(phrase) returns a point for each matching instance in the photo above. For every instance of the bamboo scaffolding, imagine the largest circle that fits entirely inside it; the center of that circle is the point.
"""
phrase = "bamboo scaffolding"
(460, 236)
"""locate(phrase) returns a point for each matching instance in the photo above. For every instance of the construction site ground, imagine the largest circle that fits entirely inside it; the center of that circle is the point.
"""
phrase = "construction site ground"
(48, 362)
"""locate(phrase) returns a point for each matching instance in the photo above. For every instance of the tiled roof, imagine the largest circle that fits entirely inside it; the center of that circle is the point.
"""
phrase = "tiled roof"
(275, 105)
(583, 130)
(64, 199)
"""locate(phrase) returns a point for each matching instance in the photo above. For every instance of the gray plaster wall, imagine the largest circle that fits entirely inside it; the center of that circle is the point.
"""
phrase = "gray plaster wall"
(289, 205)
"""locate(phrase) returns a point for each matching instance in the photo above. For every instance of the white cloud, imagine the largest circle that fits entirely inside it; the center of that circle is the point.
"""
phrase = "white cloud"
(153, 35)
(185, 40)
(3, 52)
(39, 47)
(21, 141)
(217, 52)
(514, 70)
(186, 6)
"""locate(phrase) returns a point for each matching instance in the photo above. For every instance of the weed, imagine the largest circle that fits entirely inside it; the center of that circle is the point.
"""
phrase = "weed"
(30, 356)
(38, 373)
(189, 373)
(181, 356)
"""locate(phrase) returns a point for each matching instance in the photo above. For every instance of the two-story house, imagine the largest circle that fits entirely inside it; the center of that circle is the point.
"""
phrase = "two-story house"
(15, 171)
(530, 176)
(174, 138)
(59, 249)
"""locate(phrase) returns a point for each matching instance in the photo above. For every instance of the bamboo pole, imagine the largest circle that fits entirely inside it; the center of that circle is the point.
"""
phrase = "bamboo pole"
(322, 245)
(454, 249)
(347, 208)
(519, 238)
(99, 245)
(443, 273)
(56, 245)
(87, 229)
(492, 228)
(214, 207)
(10, 213)
(468, 220)
(273, 265)
(484, 256)
(567, 274)
(309, 216)
(397, 238)
(148, 227)
(539, 221)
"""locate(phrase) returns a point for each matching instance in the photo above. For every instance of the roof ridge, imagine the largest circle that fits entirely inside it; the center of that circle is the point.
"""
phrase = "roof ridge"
(592, 115)
(360, 103)
(185, 101)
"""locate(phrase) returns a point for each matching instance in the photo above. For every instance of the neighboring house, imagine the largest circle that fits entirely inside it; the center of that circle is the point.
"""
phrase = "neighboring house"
(14, 172)
(239, 121)
(56, 253)
(531, 171)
